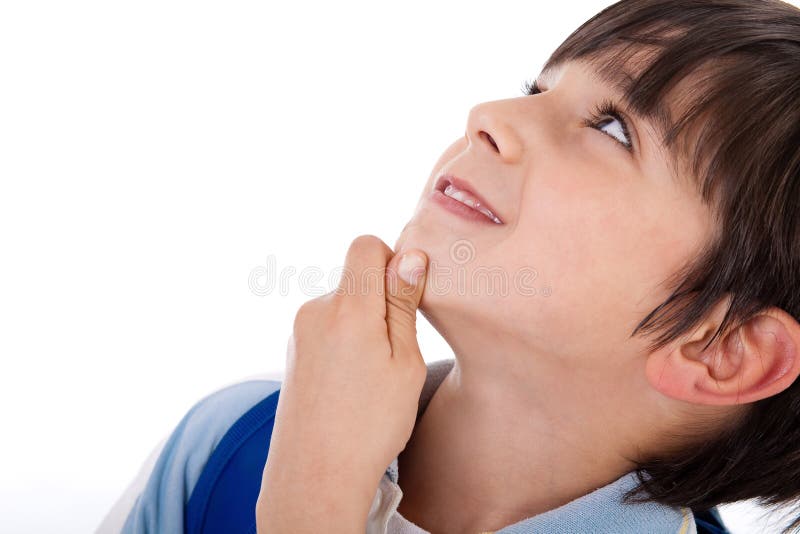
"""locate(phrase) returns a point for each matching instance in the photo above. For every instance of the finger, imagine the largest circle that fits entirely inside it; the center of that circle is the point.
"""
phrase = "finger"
(362, 281)
(405, 282)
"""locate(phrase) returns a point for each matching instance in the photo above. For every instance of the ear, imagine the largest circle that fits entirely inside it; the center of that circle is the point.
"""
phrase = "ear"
(751, 362)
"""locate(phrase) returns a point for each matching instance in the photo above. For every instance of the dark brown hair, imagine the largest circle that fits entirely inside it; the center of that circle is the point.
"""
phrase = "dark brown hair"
(739, 130)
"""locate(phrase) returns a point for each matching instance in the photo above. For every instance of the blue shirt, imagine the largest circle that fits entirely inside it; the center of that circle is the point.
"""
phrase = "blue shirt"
(161, 505)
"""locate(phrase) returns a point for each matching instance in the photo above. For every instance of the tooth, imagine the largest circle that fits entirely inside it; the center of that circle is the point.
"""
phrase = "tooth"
(489, 214)
(459, 195)
(464, 198)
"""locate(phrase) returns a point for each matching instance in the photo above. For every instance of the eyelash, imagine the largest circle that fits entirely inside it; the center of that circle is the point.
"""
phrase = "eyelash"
(601, 112)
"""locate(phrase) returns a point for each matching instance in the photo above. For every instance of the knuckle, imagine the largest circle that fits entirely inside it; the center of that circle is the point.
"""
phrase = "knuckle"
(306, 314)
(365, 242)
(368, 246)
(402, 314)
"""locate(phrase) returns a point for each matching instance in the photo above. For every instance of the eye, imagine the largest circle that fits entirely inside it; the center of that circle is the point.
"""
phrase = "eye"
(607, 114)
(604, 115)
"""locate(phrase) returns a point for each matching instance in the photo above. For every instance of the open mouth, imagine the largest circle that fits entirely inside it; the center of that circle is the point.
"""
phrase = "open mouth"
(461, 191)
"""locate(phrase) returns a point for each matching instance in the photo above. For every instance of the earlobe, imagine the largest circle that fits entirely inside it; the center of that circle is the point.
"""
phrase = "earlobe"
(751, 362)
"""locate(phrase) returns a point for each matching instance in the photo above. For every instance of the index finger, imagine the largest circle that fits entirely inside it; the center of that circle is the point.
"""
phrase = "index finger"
(362, 282)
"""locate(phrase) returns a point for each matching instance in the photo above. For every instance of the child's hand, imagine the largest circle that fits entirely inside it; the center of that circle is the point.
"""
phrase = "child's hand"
(354, 374)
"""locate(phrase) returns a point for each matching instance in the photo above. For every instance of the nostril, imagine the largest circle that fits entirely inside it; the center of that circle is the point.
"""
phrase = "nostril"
(490, 139)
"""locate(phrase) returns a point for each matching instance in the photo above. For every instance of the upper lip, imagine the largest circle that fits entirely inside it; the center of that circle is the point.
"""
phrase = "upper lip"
(458, 183)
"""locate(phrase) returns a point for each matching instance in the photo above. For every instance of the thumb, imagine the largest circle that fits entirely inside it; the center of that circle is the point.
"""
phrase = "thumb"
(406, 275)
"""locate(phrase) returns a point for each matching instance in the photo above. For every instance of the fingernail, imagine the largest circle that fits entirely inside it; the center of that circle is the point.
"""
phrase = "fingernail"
(411, 267)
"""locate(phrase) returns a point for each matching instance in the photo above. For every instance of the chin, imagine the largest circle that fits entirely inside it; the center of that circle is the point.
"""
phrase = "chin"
(421, 234)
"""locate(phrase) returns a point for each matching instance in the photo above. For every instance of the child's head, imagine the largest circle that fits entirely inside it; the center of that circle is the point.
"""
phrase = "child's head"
(657, 246)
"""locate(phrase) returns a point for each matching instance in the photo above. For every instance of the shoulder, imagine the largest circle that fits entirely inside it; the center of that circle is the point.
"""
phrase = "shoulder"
(208, 420)
(157, 503)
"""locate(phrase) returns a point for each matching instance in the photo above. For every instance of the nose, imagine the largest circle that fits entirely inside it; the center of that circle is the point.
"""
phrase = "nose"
(488, 127)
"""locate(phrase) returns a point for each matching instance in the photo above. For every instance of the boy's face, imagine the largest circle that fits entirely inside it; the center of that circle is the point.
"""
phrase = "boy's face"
(589, 233)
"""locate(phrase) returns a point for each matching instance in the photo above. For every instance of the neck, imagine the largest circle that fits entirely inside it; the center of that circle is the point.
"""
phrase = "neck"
(511, 434)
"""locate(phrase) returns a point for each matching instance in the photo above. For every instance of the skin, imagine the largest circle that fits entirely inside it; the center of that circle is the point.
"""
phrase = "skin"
(549, 397)
(349, 400)
(550, 392)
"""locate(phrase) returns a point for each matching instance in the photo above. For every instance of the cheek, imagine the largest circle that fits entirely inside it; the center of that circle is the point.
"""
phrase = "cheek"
(604, 252)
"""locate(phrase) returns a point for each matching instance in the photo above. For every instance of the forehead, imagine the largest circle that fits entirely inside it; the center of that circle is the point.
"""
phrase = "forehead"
(616, 80)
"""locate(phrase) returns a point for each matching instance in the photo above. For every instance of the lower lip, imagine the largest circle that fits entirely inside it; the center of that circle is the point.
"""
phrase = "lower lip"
(460, 209)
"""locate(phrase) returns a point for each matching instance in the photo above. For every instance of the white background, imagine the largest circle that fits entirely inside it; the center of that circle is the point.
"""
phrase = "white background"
(154, 153)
